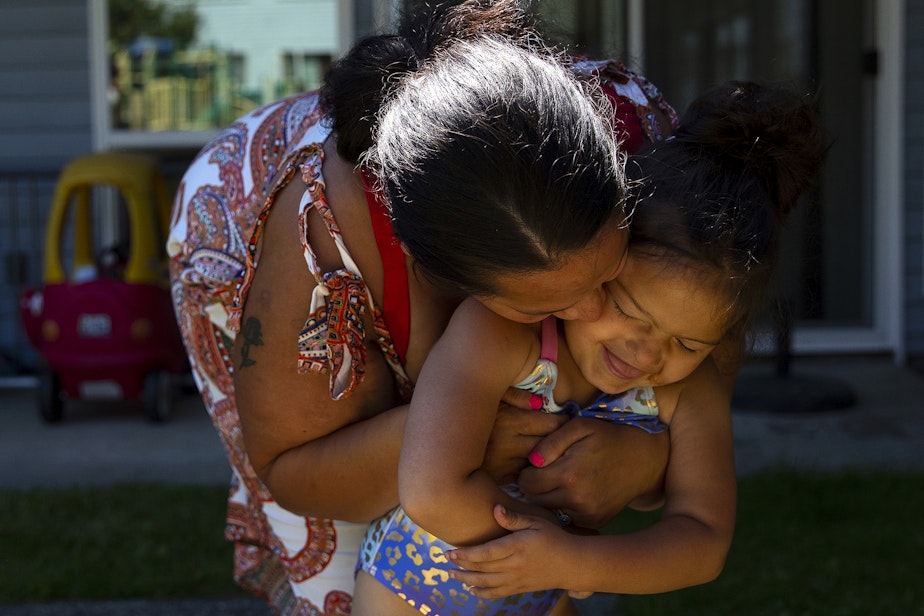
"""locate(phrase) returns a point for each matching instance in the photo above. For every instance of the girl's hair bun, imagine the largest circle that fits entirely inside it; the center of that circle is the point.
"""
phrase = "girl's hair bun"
(772, 131)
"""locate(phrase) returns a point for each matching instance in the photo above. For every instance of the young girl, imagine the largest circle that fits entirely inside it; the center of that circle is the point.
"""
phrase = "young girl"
(709, 204)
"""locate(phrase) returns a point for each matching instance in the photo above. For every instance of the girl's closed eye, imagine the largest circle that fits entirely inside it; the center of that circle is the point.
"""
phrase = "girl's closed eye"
(619, 310)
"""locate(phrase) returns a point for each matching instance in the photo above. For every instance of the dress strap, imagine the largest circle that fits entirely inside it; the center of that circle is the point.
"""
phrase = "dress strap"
(395, 301)
(639, 108)
(550, 339)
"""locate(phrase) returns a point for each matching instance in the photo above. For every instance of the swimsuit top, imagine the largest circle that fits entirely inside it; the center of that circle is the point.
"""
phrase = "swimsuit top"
(637, 406)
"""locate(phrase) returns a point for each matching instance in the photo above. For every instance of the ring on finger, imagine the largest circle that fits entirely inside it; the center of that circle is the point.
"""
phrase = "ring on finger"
(563, 518)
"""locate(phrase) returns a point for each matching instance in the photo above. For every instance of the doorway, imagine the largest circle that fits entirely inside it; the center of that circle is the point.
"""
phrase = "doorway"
(826, 269)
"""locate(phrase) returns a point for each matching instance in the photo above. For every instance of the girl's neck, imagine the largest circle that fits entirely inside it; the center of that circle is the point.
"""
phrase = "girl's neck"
(571, 382)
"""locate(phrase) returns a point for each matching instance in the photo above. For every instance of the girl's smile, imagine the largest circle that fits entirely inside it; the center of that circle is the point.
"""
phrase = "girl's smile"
(619, 368)
(659, 324)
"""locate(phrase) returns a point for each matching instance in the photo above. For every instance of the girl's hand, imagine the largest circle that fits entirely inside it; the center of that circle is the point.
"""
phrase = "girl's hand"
(522, 399)
(523, 561)
(593, 469)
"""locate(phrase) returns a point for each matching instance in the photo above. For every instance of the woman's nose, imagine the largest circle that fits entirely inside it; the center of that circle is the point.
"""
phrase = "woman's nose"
(588, 308)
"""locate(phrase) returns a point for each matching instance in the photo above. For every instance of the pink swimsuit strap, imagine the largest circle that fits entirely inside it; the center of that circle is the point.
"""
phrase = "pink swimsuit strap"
(550, 339)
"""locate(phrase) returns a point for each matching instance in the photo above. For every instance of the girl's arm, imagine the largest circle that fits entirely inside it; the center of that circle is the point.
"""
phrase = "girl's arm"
(441, 483)
(687, 546)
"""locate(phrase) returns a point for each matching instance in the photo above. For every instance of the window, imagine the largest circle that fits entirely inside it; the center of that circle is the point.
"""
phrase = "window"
(171, 72)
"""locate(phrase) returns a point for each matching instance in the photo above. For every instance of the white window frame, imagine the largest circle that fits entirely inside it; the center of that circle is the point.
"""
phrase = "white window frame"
(885, 333)
(888, 195)
(105, 137)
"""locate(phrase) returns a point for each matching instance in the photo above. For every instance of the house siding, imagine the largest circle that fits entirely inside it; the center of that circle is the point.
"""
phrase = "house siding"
(25, 198)
(45, 120)
(914, 179)
(45, 116)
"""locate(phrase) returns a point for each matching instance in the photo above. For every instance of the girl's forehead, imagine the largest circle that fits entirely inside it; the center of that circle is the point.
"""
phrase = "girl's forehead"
(680, 296)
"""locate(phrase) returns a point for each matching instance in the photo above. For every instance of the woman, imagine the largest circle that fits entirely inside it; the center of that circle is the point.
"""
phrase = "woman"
(307, 325)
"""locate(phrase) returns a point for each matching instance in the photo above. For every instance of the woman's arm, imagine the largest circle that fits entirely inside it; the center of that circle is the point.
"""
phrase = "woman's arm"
(442, 485)
(317, 456)
(307, 448)
(687, 546)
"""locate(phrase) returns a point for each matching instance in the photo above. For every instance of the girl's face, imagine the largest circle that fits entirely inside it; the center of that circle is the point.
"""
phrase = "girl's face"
(661, 321)
(574, 291)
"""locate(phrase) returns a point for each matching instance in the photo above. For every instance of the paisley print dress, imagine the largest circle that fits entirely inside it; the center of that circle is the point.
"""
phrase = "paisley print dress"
(300, 566)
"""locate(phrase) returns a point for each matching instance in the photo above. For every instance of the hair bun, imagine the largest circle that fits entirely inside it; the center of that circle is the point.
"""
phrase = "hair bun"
(357, 85)
(773, 131)
(437, 25)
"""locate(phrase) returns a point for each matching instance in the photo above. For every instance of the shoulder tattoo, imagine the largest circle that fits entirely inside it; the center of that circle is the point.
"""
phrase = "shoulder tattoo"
(253, 335)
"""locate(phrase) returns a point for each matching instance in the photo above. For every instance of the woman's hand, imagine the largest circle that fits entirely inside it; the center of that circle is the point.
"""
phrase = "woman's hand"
(516, 433)
(523, 561)
(593, 469)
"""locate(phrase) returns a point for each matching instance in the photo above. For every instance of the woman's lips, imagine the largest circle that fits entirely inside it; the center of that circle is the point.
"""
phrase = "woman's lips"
(620, 368)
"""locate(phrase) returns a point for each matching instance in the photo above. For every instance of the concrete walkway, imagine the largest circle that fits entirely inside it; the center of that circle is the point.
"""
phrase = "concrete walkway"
(103, 443)
(884, 429)
(106, 442)
(100, 443)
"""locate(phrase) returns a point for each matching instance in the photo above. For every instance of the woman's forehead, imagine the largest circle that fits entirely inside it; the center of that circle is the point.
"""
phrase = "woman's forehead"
(577, 273)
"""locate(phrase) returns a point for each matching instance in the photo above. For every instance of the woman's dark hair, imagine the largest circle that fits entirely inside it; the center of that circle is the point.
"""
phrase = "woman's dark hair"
(355, 86)
(493, 157)
(719, 191)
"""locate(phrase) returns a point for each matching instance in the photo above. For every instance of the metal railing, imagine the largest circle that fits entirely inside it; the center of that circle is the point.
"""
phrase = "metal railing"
(25, 199)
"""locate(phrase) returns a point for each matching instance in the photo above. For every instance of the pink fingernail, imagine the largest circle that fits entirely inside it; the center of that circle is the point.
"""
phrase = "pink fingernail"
(536, 459)
(535, 402)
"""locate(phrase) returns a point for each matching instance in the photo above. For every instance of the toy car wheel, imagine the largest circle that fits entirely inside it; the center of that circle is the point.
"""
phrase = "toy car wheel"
(157, 396)
(50, 396)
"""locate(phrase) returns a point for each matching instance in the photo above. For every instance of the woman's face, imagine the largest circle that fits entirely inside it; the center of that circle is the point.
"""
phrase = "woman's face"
(660, 322)
(574, 291)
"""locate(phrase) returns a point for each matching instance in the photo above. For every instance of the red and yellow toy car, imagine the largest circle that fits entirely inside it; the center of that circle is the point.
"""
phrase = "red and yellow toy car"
(103, 321)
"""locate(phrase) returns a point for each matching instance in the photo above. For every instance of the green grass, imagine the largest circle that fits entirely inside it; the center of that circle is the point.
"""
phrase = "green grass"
(805, 544)
(812, 544)
(120, 542)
